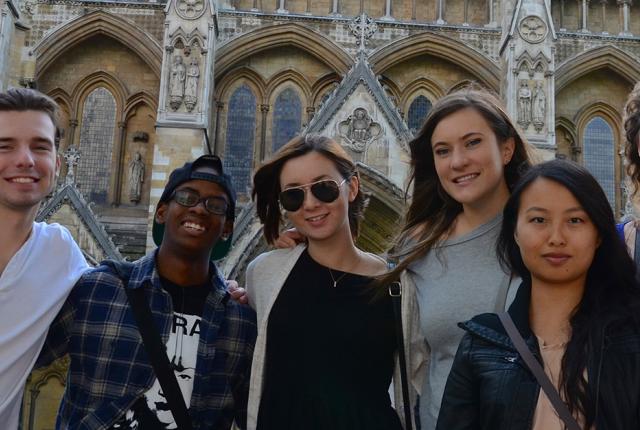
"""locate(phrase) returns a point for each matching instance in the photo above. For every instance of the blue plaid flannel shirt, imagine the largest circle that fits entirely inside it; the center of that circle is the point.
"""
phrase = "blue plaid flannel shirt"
(109, 367)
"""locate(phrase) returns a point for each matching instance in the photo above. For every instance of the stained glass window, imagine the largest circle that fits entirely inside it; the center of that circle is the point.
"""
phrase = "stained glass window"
(599, 155)
(418, 111)
(287, 118)
(241, 125)
(96, 144)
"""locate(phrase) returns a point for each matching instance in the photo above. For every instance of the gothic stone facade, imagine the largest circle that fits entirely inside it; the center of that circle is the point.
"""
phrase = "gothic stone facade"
(146, 85)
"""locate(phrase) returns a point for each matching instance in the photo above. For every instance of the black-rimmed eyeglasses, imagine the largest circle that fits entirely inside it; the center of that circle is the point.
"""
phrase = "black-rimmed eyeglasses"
(188, 198)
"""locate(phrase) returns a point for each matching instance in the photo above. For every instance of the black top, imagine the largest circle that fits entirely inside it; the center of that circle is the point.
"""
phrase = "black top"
(330, 354)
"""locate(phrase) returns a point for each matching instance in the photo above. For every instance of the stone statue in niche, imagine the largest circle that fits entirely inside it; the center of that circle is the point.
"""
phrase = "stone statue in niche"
(176, 82)
(136, 178)
(191, 86)
(524, 104)
(359, 130)
(539, 106)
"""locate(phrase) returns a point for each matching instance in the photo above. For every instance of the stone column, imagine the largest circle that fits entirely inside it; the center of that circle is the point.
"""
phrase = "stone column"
(624, 17)
(562, 16)
(465, 21)
(185, 102)
(308, 9)
(584, 16)
(216, 131)
(603, 3)
(414, 14)
(282, 8)
(255, 6)
(264, 110)
(122, 127)
(8, 17)
(335, 8)
(441, 6)
(73, 124)
(491, 12)
(387, 12)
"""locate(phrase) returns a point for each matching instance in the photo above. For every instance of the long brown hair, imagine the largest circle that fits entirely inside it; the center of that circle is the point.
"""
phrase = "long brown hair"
(632, 135)
(266, 181)
(432, 212)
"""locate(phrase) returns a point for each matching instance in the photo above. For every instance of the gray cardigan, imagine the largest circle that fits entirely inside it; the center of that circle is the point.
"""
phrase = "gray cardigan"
(264, 279)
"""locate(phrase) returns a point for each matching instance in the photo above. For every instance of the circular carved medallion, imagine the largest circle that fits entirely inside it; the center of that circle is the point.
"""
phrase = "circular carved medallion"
(533, 29)
(190, 9)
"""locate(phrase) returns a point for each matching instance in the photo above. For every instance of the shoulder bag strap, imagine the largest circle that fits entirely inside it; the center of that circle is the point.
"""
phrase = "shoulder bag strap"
(395, 291)
(542, 378)
(158, 357)
(636, 252)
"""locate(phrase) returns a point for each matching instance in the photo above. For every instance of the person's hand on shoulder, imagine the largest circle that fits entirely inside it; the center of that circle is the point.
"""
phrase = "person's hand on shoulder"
(289, 239)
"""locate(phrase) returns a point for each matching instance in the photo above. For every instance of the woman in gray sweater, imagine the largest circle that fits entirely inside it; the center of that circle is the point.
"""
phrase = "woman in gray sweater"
(464, 162)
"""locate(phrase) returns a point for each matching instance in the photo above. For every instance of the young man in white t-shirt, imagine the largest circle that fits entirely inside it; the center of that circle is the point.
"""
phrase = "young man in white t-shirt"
(39, 263)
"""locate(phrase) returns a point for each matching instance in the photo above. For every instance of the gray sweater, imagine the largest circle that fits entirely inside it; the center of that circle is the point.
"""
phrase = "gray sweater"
(454, 282)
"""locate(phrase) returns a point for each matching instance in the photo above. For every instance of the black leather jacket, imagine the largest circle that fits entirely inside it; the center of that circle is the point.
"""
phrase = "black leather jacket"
(491, 388)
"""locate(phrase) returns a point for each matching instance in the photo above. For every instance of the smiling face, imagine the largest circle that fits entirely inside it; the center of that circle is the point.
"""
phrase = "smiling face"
(315, 219)
(28, 159)
(470, 161)
(556, 237)
(193, 230)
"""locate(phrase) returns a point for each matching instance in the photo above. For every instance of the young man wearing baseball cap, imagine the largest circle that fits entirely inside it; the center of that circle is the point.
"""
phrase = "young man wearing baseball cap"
(208, 338)
(39, 262)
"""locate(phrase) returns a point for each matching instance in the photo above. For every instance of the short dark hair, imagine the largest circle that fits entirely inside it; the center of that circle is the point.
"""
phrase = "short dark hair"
(25, 99)
(266, 181)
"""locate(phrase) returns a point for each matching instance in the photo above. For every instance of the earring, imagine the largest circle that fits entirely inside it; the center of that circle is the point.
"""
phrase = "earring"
(224, 237)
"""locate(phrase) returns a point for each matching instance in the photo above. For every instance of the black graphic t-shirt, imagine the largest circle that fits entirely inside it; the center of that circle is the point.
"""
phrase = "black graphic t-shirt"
(151, 411)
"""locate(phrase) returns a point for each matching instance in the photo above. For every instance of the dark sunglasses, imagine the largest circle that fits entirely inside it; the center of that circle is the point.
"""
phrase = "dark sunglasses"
(326, 190)
(215, 205)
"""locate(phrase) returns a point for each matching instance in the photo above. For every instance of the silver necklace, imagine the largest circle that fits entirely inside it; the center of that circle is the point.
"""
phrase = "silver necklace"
(335, 281)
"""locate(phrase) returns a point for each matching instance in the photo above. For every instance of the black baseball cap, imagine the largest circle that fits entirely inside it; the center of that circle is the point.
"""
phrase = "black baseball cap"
(192, 171)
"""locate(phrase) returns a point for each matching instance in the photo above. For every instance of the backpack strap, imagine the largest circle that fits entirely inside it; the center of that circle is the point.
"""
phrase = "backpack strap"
(152, 341)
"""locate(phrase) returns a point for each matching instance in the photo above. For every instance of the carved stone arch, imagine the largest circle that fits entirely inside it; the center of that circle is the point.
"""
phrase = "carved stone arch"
(386, 206)
(101, 78)
(233, 79)
(282, 78)
(604, 57)
(566, 131)
(61, 97)
(100, 23)
(323, 85)
(461, 85)
(422, 86)
(187, 39)
(391, 89)
(317, 44)
(601, 108)
(136, 100)
(475, 63)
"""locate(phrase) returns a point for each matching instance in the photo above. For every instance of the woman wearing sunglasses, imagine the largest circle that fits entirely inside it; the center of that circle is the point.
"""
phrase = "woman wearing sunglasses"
(324, 356)
(464, 162)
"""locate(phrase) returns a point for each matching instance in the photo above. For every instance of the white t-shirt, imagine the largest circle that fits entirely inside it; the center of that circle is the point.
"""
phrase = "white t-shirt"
(33, 288)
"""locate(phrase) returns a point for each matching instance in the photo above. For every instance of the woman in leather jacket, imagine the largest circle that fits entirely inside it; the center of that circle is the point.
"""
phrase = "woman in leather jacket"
(578, 310)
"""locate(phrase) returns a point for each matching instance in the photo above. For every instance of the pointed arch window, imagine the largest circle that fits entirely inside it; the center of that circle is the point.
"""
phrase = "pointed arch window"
(287, 118)
(418, 111)
(96, 144)
(599, 155)
(241, 126)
